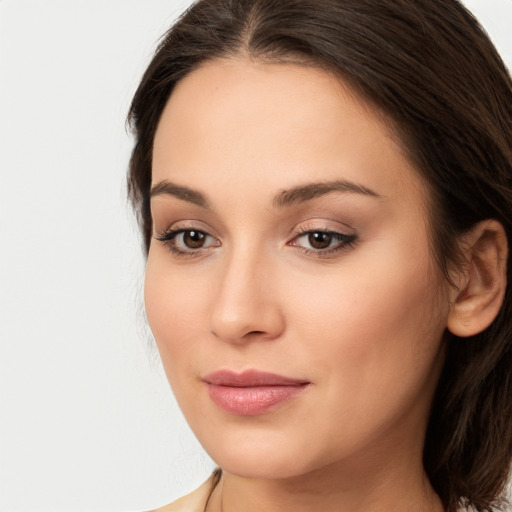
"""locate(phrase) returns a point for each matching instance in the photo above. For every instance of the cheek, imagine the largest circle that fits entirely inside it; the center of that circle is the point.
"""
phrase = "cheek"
(380, 317)
(372, 338)
(175, 309)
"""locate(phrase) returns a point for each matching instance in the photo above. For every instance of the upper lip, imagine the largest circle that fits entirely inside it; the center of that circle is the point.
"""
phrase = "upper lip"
(250, 378)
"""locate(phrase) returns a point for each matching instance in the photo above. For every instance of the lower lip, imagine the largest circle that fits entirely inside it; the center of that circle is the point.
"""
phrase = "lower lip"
(250, 401)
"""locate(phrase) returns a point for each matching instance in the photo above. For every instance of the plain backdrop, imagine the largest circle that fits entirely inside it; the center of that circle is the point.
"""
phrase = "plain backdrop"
(87, 422)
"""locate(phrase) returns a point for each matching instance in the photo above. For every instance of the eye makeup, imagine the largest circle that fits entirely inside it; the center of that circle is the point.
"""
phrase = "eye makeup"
(187, 241)
(190, 241)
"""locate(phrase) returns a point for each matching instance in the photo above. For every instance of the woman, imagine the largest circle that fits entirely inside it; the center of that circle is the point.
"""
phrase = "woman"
(325, 194)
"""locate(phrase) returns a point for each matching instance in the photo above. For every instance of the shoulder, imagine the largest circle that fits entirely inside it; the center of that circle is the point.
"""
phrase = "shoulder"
(195, 501)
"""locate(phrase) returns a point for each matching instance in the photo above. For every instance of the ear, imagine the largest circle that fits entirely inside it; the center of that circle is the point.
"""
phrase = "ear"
(482, 279)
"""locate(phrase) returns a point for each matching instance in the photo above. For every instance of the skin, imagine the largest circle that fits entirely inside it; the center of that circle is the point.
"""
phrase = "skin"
(362, 322)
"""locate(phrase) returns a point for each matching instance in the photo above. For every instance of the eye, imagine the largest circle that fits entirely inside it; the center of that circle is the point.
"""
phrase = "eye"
(322, 242)
(319, 239)
(187, 241)
(191, 239)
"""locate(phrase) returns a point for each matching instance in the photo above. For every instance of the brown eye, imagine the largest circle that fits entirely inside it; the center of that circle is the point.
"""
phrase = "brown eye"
(323, 242)
(320, 240)
(194, 239)
(188, 241)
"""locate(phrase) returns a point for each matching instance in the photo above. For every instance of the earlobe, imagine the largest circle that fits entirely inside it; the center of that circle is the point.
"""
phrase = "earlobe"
(483, 278)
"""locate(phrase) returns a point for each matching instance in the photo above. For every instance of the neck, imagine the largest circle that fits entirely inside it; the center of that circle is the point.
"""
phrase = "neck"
(354, 487)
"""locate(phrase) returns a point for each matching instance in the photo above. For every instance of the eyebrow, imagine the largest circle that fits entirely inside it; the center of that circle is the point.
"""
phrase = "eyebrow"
(289, 197)
(184, 193)
(310, 191)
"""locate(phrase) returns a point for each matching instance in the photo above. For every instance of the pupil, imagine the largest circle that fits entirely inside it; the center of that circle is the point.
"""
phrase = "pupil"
(193, 239)
(320, 240)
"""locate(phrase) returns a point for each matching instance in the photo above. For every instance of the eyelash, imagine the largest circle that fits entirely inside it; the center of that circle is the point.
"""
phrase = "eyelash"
(345, 241)
(170, 235)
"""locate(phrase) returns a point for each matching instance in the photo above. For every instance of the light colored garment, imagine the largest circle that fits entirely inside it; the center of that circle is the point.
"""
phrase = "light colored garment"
(195, 501)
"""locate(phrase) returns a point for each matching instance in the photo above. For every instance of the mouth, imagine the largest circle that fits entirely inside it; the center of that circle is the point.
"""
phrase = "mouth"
(251, 392)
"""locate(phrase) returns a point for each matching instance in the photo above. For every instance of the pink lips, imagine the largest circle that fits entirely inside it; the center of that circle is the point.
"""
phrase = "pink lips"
(251, 392)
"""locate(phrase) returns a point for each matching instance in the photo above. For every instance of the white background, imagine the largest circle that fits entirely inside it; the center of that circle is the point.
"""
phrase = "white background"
(87, 422)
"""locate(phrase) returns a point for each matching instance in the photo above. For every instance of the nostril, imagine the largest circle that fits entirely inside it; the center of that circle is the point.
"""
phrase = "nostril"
(255, 334)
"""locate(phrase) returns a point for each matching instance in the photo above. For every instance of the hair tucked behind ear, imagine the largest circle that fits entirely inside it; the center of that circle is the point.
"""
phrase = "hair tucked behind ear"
(431, 69)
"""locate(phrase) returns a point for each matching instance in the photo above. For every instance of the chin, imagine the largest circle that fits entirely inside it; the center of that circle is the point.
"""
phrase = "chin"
(258, 467)
(261, 457)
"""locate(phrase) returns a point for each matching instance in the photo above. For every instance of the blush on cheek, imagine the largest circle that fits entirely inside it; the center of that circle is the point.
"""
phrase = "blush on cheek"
(176, 317)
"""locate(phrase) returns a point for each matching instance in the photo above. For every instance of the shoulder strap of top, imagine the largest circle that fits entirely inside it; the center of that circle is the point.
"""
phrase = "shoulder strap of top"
(197, 500)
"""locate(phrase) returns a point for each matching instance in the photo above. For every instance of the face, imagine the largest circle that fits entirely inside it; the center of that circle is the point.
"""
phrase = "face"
(289, 284)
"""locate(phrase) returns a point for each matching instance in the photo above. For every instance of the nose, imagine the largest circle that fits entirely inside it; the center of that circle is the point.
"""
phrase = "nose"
(246, 305)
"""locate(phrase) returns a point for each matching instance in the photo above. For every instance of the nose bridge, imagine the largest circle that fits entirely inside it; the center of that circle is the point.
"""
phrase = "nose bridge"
(244, 303)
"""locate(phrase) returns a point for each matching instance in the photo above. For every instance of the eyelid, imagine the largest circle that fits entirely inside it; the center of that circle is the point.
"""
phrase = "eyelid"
(169, 235)
(346, 238)
(185, 224)
(328, 226)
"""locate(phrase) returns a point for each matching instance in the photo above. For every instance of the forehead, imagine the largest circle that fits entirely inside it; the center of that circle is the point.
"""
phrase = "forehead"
(235, 121)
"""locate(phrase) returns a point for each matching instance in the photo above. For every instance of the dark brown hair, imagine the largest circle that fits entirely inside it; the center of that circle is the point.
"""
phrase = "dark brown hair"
(429, 66)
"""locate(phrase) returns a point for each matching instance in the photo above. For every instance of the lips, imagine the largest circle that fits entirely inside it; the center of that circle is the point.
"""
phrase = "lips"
(251, 392)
